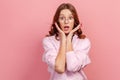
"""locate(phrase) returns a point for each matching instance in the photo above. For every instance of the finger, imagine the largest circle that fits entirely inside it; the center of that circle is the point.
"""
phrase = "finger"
(75, 29)
(57, 27)
(80, 24)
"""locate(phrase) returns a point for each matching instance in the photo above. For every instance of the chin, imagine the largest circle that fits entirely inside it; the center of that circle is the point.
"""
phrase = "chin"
(66, 32)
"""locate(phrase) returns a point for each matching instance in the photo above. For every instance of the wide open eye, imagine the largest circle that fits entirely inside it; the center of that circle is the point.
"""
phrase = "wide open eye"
(61, 18)
(70, 18)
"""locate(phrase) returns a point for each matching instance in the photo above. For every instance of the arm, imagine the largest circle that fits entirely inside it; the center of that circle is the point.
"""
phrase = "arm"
(50, 53)
(69, 46)
(61, 57)
(78, 58)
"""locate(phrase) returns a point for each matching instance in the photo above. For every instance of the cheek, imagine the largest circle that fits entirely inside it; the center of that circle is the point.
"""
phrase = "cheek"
(61, 25)
(72, 24)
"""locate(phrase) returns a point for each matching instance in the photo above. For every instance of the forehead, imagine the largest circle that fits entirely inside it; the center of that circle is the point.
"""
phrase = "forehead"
(65, 12)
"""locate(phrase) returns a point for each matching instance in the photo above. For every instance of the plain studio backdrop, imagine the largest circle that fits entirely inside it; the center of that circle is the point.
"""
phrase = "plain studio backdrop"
(23, 24)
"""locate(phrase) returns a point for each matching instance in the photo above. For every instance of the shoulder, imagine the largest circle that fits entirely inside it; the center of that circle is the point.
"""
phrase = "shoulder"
(84, 42)
(47, 39)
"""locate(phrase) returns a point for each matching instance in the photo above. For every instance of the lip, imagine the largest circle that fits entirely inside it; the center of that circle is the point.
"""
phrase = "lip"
(66, 28)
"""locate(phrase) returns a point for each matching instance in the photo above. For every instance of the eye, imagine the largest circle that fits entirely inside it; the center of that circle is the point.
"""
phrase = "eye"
(61, 18)
(70, 17)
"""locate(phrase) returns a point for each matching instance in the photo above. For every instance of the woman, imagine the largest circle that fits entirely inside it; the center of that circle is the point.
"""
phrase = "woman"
(66, 48)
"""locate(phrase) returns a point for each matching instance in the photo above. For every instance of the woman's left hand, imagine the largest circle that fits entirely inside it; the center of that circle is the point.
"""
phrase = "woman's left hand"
(72, 32)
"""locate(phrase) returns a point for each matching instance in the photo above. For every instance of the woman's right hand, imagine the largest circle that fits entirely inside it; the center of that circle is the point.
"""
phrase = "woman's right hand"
(61, 33)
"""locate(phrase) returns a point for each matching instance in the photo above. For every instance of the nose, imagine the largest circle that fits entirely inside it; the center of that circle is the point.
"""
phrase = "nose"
(66, 21)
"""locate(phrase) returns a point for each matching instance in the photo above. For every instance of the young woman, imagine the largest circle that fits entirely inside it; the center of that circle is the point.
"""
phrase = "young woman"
(66, 48)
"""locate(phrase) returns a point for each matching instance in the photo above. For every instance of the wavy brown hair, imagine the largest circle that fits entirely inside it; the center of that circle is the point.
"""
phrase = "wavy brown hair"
(54, 31)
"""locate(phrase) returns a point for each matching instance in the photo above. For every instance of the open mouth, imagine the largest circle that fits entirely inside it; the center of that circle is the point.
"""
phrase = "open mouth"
(66, 28)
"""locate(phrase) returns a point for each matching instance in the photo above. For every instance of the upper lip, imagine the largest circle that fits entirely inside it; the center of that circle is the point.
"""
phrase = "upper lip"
(66, 26)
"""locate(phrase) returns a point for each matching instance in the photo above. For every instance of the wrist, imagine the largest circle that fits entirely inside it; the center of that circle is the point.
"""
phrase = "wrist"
(69, 45)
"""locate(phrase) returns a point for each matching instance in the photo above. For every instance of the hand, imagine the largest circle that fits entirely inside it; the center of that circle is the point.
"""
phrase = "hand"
(72, 32)
(61, 33)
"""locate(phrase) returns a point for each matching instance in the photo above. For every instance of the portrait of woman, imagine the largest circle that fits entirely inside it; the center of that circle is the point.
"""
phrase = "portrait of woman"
(59, 40)
(66, 48)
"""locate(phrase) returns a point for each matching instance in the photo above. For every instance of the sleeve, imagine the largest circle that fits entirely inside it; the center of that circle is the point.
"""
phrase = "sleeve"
(79, 58)
(50, 54)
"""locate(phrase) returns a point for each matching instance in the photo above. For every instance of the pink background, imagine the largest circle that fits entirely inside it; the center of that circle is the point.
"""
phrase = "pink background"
(23, 24)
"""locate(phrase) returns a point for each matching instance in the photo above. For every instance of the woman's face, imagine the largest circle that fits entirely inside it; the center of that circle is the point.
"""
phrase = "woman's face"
(66, 20)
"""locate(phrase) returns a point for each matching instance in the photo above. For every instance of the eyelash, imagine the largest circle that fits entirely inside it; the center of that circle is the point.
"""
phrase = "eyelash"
(61, 18)
(70, 17)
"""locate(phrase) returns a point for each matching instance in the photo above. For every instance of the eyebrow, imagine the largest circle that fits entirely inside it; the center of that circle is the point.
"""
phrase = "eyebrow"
(63, 14)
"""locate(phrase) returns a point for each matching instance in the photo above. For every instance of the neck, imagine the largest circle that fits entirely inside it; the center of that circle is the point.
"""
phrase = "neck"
(66, 34)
